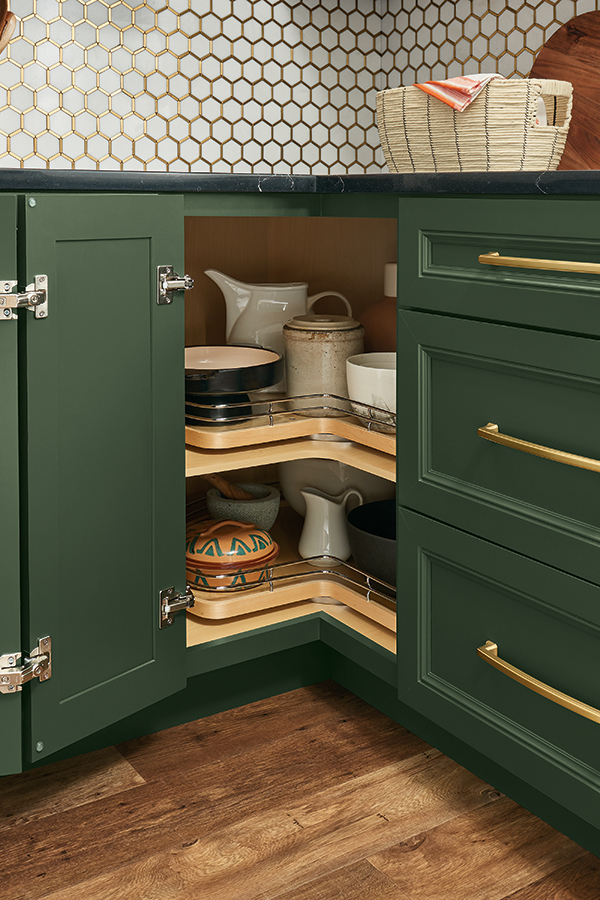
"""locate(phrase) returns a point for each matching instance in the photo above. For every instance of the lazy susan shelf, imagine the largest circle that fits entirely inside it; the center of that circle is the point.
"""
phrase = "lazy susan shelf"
(288, 427)
(293, 580)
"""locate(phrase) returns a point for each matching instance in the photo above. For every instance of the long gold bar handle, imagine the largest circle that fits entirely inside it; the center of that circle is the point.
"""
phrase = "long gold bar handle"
(490, 433)
(489, 652)
(556, 265)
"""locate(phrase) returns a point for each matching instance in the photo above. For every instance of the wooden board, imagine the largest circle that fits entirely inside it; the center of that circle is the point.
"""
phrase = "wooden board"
(286, 426)
(329, 253)
(202, 631)
(199, 461)
(224, 606)
(573, 54)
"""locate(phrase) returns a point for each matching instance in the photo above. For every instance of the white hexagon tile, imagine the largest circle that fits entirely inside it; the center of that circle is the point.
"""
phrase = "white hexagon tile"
(261, 86)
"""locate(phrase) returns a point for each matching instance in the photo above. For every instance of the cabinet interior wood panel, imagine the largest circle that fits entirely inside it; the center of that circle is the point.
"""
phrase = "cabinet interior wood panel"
(338, 254)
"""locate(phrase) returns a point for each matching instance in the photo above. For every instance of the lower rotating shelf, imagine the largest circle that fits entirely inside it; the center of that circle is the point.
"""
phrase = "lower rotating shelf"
(364, 598)
(292, 580)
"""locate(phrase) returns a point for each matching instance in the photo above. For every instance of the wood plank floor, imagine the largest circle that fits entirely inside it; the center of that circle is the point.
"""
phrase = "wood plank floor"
(312, 795)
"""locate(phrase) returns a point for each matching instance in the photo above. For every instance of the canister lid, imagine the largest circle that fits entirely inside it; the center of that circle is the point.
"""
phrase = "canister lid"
(317, 322)
(228, 542)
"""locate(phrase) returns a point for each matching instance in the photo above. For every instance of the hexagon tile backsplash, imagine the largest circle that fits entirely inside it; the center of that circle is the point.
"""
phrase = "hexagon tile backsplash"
(261, 86)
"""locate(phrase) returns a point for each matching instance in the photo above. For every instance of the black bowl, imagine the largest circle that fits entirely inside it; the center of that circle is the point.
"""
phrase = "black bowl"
(224, 375)
(231, 369)
(207, 409)
(372, 538)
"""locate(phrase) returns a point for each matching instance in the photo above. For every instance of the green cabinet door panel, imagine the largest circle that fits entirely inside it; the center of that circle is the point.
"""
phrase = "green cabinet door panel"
(441, 238)
(103, 375)
(456, 376)
(10, 608)
(460, 592)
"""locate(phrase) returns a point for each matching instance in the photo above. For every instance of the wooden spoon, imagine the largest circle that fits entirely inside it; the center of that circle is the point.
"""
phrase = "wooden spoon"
(229, 490)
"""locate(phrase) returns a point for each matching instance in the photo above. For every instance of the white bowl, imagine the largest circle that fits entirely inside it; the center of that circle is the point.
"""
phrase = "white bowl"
(372, 382)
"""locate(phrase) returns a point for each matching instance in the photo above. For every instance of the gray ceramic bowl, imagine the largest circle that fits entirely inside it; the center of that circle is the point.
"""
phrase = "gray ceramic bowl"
(372, 538)
(262, 511)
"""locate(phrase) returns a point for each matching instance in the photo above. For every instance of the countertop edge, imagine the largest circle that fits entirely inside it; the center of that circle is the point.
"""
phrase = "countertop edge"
(550, 183)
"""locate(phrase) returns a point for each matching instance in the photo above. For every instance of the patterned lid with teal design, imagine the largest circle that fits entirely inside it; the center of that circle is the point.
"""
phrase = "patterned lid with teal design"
(228, 543)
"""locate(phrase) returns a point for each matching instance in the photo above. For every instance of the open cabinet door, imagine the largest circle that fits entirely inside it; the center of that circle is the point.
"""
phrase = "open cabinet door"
(104, 458)
(10, 607)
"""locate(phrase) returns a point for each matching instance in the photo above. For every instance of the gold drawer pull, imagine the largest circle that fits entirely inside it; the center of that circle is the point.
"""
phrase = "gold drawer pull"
(556, 265)
(490, 433)
(489, 652)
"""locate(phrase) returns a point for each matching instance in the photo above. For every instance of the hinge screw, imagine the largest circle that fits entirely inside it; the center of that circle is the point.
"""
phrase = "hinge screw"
(5, 679)
(11, 660)
(7, 313)
(11, 687)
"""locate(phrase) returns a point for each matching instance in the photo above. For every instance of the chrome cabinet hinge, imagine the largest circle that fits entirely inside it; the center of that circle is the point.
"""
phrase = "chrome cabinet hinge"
(34, 298)
(37, 665)
(167, 282)
(170, 602)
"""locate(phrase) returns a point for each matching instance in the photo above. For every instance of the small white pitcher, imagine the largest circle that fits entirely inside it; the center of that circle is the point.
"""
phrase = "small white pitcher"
(324, 530)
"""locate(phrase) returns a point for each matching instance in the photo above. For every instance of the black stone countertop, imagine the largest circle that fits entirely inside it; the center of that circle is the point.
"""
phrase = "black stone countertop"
(529, 183)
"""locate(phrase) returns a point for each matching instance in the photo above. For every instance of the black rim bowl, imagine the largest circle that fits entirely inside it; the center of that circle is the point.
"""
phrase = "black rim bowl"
(372, 538)
(235, 380)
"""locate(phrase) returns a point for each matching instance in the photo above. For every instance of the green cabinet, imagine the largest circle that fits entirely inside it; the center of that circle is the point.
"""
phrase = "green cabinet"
(494, 544)
(500, 543)
(442, 238)
(465, 591)
(10, 585)
(101, 520)
(457, 375)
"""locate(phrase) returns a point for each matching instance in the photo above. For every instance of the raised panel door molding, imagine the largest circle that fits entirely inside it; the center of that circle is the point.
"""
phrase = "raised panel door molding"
(456, 376)
(442, 239)
(105, 460)
(462, 591)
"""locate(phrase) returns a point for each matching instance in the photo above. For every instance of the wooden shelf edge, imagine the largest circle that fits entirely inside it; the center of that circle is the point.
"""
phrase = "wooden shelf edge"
(204, 631)
(256, 600)
(201, 461)
(286, 428)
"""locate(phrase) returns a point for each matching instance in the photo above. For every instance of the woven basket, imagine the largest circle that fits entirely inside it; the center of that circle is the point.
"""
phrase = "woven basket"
(497, 132)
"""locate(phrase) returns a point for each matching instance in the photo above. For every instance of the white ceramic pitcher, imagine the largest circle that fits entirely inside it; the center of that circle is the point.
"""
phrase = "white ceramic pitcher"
(256, 313)
(324, 530)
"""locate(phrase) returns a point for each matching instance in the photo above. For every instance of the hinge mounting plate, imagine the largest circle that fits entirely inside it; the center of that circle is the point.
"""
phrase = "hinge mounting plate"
(37, 665)
(34, 298)
(167, 282)
(171, 602)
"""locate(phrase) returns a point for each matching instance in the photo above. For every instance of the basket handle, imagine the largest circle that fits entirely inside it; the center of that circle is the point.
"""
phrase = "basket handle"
(558, 94)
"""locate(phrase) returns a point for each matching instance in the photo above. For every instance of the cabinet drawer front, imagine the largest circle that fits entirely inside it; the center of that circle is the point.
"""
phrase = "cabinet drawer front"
(461, 592)
(456, 376)
(442, 239)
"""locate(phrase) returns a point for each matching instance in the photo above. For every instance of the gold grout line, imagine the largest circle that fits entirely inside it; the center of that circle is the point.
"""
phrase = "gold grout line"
(296, 52)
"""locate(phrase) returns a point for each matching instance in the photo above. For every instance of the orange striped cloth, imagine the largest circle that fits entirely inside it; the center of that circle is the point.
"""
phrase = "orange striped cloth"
(457, 92)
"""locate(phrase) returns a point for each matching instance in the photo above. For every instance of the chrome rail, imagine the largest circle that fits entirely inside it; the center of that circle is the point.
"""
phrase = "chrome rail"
(374, 587)
(271, 409)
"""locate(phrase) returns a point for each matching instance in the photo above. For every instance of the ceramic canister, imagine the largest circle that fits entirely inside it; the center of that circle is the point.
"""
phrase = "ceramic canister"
(317, 347)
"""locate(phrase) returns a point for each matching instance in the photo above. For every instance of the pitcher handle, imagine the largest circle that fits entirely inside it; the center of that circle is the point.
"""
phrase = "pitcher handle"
(353, 492)
(314, 297)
